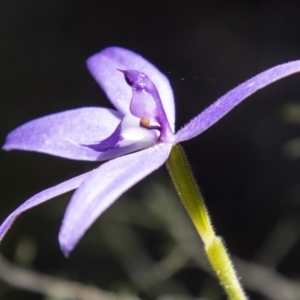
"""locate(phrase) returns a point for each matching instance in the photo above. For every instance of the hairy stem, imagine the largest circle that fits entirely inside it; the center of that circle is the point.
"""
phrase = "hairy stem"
(193, 202)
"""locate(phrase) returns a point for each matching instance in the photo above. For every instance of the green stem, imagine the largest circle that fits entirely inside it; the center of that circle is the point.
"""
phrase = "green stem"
(192, 200)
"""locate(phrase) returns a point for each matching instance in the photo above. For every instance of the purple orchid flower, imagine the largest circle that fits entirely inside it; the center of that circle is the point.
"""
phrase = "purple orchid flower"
(144, 120)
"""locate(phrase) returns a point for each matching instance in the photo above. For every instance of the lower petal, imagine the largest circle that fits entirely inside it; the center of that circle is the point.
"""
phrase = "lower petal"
(41, 197)
(103, 187)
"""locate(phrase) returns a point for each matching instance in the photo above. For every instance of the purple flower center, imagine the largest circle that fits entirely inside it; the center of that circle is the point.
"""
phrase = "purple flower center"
(145, 125)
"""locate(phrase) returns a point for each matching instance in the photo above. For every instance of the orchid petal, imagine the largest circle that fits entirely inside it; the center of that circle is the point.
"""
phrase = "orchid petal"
(103, 187)
(63, 134)
(226, 103)
(129, 136)
(104, 67)
(41, 197)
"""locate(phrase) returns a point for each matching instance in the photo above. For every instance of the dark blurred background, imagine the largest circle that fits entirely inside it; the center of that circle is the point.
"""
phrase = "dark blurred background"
(246, 165)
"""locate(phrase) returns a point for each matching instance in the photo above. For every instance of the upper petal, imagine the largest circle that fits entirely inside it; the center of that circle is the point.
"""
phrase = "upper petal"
(41, 197)
(227, 102)
(104, 67)
(62, 134)
(103, 187)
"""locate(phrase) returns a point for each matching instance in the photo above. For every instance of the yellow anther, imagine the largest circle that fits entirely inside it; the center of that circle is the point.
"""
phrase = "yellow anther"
(144, 123)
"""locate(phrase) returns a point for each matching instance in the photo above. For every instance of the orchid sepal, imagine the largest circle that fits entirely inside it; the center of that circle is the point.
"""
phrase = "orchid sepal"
(103, 187)
(227, 102)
